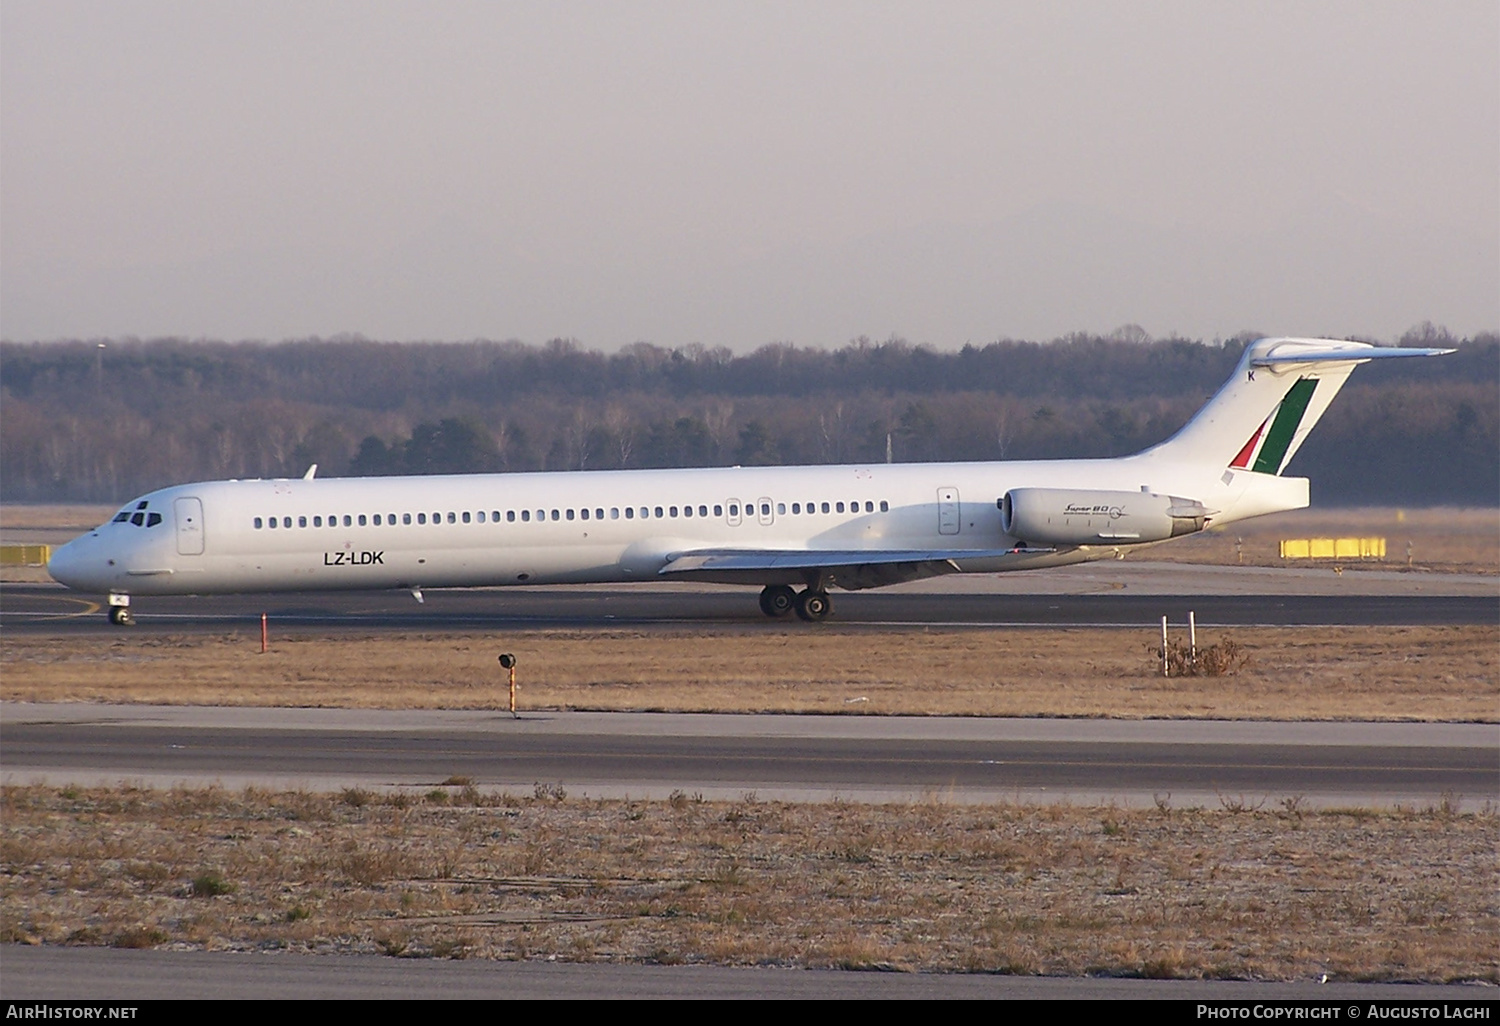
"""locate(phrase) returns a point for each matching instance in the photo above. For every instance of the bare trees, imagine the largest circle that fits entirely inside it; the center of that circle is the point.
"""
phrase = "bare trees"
(79, 422)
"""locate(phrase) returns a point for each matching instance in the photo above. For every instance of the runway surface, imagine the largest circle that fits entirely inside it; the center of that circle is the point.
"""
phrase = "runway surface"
(53, 610)
(102, 974)
(787, 757)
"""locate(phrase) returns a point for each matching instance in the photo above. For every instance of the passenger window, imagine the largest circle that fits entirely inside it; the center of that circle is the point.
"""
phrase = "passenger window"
(885, 507)
(525, 516)
(480, 516)
(598, 513)
(614, 512)
(361, 520)
(556, 515)
(645, 512)
(257, 520)
(377, 519)
(839, 506)
(270, 521)
(869, 506)
(584, 513)
(317, 521)
(673, 511)
(796, 507)
(734, 510)
(825, 507)
(687, 511)
(421, 518)
(658, 512)
(406, 518)
(718, 511)
(765, 509)
(286, 521)
(541, 514)
(781, 508)
(452, 518)
(348, 520)
(301, 521)
(570, 514)
(466, 516)
(510, 516)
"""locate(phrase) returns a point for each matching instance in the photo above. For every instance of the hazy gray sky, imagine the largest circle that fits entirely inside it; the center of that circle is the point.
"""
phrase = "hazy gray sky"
(741, 173)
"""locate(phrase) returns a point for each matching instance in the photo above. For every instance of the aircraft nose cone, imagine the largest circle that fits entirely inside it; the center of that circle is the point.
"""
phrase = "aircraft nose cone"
(73, 566)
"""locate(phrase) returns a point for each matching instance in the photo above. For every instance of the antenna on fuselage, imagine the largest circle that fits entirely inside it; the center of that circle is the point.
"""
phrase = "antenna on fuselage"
(312, 472)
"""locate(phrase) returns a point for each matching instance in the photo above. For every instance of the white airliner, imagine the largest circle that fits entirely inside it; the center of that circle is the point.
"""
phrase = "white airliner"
(797, 531)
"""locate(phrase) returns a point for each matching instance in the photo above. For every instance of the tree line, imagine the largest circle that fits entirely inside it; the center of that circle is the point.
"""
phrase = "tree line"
(102, 420)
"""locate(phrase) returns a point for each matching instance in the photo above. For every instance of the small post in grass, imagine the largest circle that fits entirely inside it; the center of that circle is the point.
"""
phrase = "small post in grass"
(1165, 666)
(1192, 640)
(264, 636)
(508, 661)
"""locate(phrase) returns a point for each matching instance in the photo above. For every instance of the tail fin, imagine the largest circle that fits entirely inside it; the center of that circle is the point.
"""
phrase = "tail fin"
(1262, 415)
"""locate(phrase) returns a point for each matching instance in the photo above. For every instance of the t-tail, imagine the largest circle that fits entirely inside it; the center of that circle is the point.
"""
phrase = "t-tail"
(1263, 414)
(1250, 430)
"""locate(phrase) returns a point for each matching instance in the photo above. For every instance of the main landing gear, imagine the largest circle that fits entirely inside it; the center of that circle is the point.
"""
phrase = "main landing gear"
(811, 604)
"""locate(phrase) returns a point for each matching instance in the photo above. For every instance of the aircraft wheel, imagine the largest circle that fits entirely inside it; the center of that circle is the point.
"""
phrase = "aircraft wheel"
(777, 600)
(120, 616)
(813, 606)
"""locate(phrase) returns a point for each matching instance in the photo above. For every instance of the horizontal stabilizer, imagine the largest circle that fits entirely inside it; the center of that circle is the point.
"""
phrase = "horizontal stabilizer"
(1340, 355)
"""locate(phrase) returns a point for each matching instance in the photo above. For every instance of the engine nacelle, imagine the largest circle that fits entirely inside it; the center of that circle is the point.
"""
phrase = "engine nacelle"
(1062, 516)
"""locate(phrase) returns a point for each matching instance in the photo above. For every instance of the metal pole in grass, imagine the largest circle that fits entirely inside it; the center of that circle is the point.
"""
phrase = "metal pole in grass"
(264, 636)
(1192, 640)
(508, 661)
(1165, 671)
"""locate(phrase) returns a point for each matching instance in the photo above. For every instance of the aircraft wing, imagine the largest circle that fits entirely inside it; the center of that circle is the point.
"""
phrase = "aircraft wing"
(851, 569)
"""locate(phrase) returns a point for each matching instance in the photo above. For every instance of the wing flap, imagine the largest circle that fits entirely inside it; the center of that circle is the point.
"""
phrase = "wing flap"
(821, 559)
(851, 569)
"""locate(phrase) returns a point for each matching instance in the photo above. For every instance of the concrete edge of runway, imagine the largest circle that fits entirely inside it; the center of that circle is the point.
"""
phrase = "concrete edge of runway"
(104, 974)
(655, 791)
(1430, 734)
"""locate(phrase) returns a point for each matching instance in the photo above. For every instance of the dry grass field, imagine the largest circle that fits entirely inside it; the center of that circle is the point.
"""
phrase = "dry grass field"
(1279, 892)
(1441, 539)
(1369, 673)
(1230, 892)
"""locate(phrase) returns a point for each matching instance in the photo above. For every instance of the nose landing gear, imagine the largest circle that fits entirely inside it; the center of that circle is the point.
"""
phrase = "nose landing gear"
(119, 611)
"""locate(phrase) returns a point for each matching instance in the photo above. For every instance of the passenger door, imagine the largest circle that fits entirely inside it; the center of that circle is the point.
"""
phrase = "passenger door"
(188, 512)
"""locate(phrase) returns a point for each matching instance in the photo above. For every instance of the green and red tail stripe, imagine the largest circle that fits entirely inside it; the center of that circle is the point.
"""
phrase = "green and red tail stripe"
(1265, 451)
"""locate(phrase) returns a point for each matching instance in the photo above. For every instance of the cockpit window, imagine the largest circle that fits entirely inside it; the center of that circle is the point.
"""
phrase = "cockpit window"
(138, 519)
(121, 516)
(142, 504)
(152, 519)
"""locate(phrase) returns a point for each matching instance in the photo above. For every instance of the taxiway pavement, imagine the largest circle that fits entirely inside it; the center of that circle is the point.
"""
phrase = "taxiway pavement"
(856, 758)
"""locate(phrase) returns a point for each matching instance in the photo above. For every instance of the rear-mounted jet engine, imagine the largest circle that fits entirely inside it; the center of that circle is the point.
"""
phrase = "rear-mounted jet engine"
(1060, 516)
